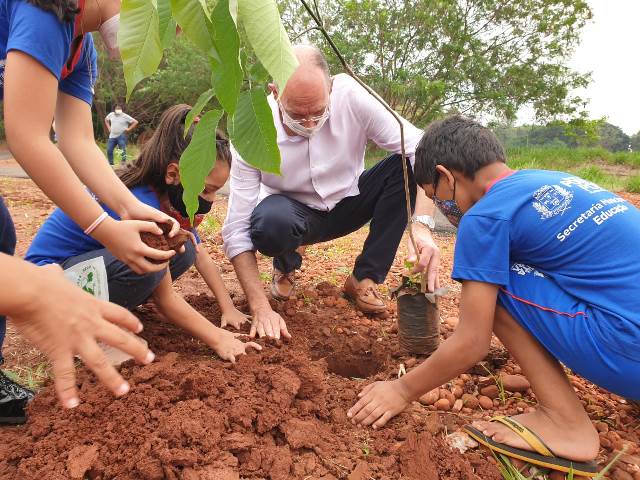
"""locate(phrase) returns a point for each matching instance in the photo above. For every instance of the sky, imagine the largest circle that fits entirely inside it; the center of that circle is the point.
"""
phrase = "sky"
(609, 49)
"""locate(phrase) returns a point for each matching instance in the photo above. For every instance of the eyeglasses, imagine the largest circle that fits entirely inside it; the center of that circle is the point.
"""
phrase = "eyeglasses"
(301, 121)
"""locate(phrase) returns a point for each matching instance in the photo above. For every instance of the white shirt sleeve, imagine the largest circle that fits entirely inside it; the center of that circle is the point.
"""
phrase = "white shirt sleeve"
(244, 189)
(129, 119)
(109, 116)
(381, 127)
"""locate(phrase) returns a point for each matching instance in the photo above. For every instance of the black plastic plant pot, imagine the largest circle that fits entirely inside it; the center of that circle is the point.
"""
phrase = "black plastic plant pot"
(418, 324)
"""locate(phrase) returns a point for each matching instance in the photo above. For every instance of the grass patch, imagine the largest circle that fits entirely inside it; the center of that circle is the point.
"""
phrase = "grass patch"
(31, 377)
(633, 184)
(210, 225)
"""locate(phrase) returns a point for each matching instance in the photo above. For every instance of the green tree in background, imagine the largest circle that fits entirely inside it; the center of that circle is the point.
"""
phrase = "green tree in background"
(634, 141)
(428, 57)
(613, 138)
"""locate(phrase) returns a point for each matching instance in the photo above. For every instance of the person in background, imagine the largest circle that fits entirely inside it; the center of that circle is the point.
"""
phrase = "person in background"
(119, 125)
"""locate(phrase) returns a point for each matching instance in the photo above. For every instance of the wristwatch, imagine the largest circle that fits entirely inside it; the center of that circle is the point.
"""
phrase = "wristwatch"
(426, 220)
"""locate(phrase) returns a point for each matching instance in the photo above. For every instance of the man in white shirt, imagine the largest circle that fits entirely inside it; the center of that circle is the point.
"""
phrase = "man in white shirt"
(323, 124)
(118, 124)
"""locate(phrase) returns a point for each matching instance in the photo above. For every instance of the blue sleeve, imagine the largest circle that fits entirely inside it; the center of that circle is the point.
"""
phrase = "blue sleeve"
(40, 35)
(195, 234)
(482, 250)
(80, 82)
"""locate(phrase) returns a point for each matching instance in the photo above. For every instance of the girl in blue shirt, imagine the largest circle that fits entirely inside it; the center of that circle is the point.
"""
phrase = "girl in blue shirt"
(154, 179)
(48, 68)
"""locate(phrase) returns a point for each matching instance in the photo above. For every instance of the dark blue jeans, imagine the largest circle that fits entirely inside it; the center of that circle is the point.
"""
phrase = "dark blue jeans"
(121, 142)
(127, 288)
(279, 224)
(8, 246)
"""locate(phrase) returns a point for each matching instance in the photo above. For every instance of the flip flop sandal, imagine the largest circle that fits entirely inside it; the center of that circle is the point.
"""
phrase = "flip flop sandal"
(542, 457)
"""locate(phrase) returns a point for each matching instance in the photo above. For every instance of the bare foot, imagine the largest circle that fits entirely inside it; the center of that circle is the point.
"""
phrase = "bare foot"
(573, 442)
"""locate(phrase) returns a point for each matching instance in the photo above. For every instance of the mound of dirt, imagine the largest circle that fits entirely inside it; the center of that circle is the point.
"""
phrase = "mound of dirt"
(274, 415)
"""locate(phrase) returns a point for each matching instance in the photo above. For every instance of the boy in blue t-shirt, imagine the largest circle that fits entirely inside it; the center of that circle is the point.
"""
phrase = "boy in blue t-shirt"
(549, 263)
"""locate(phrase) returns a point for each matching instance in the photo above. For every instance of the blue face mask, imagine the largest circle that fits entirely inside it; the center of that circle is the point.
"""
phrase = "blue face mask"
(449, 208)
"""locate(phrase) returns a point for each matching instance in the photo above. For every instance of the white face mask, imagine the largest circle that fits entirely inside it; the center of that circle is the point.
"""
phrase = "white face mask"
(296, 126)
(118, 111)
(109, 33)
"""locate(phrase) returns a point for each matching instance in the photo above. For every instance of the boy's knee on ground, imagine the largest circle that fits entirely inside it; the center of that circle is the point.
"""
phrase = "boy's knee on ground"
(182, 262)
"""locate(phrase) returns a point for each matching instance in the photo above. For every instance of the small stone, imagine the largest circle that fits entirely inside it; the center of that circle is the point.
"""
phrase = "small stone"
(457, 406)
(339, 330)
(330, 301)
(457, 392)
(461, 441)
(444, 393)
(515, 383)
(485, 402)
(411, 362)
(470, 401)
(452, 322)
(443, 404)
(326, 331)
(430, 398)
(490, 391)
(602, 427)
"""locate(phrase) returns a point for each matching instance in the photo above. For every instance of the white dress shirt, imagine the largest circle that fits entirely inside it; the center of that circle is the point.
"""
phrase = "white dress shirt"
(318, 171)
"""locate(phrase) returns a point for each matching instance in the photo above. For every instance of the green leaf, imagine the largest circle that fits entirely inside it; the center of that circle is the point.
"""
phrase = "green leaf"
(195, 24)
(261, 21)
(253, 133)
(203, 99)
(139, 41)
(227, 74)
(166, 23)
(198, 159)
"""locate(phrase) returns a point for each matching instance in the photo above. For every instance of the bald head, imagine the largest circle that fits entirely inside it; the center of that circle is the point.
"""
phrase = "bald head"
(307, 92)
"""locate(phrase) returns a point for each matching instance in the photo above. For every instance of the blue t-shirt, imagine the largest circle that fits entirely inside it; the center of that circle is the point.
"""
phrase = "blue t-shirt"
(60, 238)
(41, 35)
(584, 237)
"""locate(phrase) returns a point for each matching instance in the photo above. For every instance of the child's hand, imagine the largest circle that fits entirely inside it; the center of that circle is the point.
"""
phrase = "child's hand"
(227, 346)
(234, 318)
(379, 402)
(122, 239)
(62, 321)
(142, 211)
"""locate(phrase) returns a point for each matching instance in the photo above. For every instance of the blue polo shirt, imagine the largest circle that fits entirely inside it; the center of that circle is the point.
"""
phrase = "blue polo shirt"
(60, 238)
(40, 34)
(582, 236)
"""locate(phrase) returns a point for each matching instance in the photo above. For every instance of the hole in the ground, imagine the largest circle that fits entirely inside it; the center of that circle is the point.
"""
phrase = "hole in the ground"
(353, 366)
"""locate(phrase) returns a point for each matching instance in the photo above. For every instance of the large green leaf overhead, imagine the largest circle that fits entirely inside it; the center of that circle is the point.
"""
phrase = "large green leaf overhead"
(139, 41)
(167, 25)
(195, 24)
(261, 21)
(253, 133)
(203, 99)
(198, 159)
(227, 73)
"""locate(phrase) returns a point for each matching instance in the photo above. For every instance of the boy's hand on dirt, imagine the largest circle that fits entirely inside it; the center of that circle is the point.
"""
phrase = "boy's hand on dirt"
(122, 239)
(63, 321)
(268, 323)
(228, 347)
(428, 258)
(379, 402)
(234, 318)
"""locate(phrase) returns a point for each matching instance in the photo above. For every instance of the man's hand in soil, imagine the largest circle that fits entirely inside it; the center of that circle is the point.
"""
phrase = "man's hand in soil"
(234, 318)
(268, 323)
(428, 258)
(62, 321)
(228, 347)
(379, 402)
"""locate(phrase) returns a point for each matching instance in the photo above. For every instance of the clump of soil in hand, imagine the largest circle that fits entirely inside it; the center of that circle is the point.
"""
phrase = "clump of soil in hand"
(164, 242)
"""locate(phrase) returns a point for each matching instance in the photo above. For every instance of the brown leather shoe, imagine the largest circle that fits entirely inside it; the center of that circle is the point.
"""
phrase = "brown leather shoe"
(367, 299)
(282, 284)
